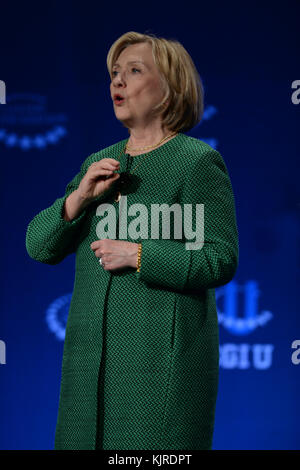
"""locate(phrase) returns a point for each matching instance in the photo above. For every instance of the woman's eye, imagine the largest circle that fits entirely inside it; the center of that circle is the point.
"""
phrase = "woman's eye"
(134, 70)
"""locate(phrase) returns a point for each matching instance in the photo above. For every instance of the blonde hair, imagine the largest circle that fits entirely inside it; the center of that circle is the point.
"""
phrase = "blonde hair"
(183, 103)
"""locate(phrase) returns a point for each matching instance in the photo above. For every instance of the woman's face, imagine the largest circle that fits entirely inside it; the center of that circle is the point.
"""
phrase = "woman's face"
(136, 79)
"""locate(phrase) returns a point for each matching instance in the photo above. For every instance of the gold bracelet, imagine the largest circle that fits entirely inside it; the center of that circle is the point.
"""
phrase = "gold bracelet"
(139, 254)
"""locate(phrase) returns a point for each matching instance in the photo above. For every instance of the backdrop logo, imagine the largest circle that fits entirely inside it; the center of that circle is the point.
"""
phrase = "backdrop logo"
(57, 315)
(208, 114)
(245, 299)
(251, 318)
(26, 124)
(2, 92)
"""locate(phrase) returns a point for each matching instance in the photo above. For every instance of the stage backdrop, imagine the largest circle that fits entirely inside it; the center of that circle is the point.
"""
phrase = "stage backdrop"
(58, 111)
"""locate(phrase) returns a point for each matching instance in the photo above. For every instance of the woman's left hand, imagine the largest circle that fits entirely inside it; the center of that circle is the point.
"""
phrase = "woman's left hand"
(115, 254)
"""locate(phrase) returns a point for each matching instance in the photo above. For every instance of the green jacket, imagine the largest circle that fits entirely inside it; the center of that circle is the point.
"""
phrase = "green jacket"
(141, 354)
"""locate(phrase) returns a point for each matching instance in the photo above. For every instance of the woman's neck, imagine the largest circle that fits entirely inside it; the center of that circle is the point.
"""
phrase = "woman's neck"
(140, 138)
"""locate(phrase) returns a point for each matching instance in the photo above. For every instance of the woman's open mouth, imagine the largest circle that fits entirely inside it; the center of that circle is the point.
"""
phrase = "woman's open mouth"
(118, 99)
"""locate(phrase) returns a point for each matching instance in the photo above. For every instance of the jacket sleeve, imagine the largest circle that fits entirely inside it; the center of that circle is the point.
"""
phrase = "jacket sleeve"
(168, 263)
(49, 237)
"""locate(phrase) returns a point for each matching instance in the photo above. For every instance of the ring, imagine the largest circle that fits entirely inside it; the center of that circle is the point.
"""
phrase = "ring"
(100, 260)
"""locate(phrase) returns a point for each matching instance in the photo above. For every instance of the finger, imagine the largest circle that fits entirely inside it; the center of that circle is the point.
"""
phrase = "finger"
(112, 160)
(112, 178)
(100, 172)
(94, 245)
(113, 265)
(104, 244)
(105, 165)
(99, 254)
(107, 266)
(109, 166)
(109, 163)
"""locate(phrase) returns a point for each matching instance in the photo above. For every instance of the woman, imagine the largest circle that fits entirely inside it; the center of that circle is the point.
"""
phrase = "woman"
(141, 354)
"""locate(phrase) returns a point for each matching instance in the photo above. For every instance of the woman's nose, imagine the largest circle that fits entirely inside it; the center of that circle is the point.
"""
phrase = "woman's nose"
(119, 80)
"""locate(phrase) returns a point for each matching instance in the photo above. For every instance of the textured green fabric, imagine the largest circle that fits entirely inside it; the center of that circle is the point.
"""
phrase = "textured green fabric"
(141, 355)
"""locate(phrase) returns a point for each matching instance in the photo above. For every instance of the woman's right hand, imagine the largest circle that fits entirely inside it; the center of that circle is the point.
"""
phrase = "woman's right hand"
(98, 179)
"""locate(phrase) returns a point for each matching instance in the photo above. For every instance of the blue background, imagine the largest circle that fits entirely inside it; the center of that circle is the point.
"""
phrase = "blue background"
(53, 61)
